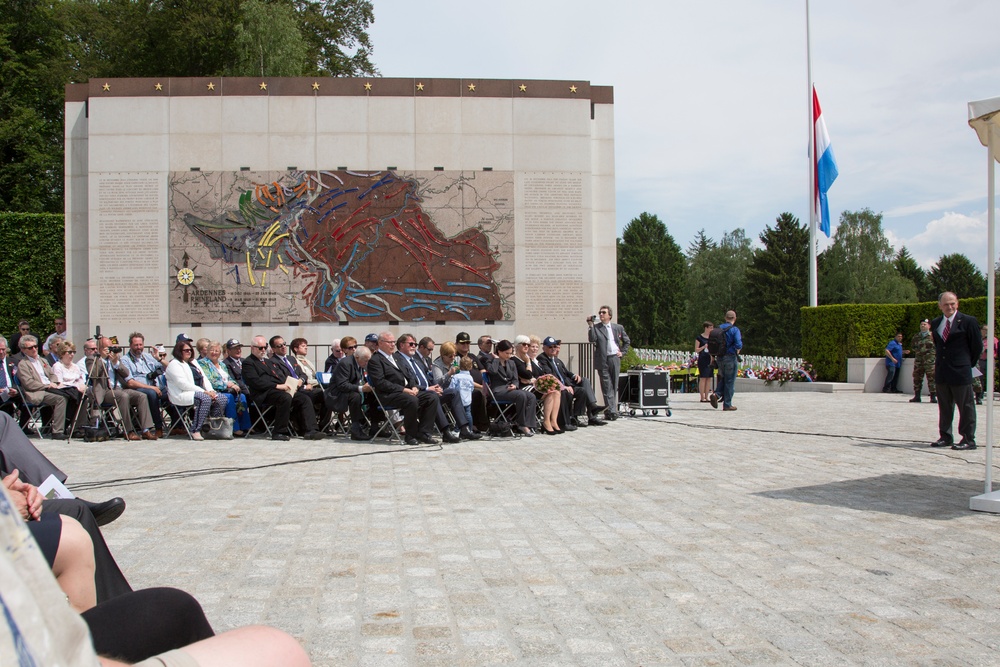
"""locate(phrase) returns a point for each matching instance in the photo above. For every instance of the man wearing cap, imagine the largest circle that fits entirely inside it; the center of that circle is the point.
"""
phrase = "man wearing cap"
(922, 345)
(371, 342)
(146, 375)
(577, 393)
(234, 363)
(611, 344)
(479, 417)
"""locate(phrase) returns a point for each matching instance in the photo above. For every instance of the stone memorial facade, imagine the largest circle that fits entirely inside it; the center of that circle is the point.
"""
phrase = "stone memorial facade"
(229, 207)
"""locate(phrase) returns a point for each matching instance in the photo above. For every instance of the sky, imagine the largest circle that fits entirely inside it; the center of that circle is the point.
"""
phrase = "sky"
(711, 101)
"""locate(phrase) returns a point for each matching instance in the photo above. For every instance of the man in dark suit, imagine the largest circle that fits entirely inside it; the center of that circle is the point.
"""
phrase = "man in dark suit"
(396, 386)
(10, 398)
(269, 385)
(612, 343)
(958, 345)
(348, 387)
(421, 367)
(578, 396)
(280, 356)
(234, 363)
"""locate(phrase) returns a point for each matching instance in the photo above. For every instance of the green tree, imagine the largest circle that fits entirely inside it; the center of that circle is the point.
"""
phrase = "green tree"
(336, 32)
(700, 244)
(651, 275)
(858, 267)
(33, 68)
(956, 273)
(717, 281)
(132, 38)
(777, 287)
(269, 41)
(908, 268)
(32, 264)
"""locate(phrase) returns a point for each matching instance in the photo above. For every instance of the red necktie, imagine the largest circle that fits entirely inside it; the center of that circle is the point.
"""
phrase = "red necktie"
(947, 331)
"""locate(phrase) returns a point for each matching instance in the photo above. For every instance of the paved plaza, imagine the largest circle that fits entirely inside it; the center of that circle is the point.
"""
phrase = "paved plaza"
(803, 529)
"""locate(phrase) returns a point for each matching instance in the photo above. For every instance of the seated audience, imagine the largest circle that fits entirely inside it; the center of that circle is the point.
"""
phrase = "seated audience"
(336, 354)
(10, 397)
(506, 386)
(187, 385)
(348, 387)
(396, 386)
(108, 379)
(577, 392)
(279, 355)
(271, 385)
(147, 377)
(40, 386)
(528, 372)
(234, 363)
(218, 377)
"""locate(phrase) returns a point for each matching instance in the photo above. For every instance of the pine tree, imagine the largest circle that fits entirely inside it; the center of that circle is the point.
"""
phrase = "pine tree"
(956, 273)
(651, 277)
(777, 287)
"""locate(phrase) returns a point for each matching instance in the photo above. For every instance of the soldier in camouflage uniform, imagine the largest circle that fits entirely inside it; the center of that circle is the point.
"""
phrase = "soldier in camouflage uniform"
(923, 362)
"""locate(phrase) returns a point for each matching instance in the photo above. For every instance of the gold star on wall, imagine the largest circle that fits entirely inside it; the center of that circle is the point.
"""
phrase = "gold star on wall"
(368, 85)
(420, 86)
(158, 86)
(523, 88)
(263, 86)
(211, 85)
(315, 85)
(106, 87)
(472, 87)
(572, 89)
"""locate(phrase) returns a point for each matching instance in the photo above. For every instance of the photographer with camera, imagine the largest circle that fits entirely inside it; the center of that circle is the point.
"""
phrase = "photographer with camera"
(109, 379)
(612, 343)
(147, 376)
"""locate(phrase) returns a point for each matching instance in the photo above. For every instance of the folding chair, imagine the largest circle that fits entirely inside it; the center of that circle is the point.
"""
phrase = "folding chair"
(185, 415)
(34, 410)
(504, 422)
(262, 414)
(338, 421)
(394, 434)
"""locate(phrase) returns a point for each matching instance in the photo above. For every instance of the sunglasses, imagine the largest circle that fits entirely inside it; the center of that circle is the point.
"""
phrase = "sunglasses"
(30, 347)
(351, 347)
(259, 347)
(280, 345)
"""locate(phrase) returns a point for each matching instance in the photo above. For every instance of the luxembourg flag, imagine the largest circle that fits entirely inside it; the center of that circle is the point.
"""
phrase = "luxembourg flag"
(824, 167)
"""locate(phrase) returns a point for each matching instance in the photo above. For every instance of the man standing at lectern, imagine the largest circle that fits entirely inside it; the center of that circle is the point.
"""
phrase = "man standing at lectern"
(958, 345)
(612, 343)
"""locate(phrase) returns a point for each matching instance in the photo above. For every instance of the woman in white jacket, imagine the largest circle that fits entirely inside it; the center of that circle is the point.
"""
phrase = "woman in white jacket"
(187, 385)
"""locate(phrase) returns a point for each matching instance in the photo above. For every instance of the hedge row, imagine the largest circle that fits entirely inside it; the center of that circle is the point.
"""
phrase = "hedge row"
(832, 334)
(32, 266)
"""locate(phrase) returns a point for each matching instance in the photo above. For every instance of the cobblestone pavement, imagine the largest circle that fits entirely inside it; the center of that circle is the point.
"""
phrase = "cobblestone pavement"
(803, 529)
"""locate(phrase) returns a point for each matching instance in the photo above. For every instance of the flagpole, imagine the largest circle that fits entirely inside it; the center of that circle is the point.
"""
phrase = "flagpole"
(813, 279)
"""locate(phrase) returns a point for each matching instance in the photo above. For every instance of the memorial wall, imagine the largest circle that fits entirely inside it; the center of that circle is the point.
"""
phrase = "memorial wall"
(320, 208)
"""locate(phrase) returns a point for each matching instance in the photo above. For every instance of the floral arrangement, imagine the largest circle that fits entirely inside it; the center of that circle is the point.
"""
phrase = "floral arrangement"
(780, 374)
(547, 384)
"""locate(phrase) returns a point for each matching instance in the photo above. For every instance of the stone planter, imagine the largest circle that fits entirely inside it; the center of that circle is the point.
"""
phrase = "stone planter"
(753, 385)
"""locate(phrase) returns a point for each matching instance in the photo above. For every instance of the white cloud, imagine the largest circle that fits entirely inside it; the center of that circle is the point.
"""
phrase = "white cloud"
(950, 233)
